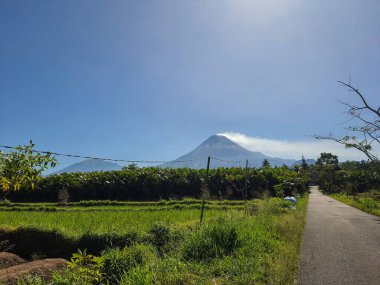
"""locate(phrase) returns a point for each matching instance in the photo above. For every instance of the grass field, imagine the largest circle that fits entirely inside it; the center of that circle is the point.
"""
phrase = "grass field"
(166, 242)
(368, 202)
(77, 223)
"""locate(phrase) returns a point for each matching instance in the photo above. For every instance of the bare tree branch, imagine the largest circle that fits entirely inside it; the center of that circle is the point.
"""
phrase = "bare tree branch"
(377, 112)
(368, 131)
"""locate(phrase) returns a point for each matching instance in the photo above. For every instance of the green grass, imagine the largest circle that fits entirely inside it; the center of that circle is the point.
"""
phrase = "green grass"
(367, 202)
(231, 246)
(77, 223)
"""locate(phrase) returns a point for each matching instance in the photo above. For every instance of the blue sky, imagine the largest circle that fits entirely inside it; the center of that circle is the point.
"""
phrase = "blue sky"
(153, 79)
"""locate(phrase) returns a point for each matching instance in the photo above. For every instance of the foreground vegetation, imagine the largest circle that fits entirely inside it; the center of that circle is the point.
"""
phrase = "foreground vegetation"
(257, 244)
(368, 202)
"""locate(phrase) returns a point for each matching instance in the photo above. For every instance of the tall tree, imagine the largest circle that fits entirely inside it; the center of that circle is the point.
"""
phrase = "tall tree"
(304, 164)
(265, 163)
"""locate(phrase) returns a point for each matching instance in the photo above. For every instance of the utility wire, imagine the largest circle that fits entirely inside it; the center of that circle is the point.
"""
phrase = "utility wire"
(223, 160)
(108, 159)
(123, 160)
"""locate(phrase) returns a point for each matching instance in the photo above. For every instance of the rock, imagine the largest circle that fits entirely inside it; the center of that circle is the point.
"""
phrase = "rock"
(8, 259)
(43, 267)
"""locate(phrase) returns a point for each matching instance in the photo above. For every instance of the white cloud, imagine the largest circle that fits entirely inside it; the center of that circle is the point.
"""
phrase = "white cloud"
(294, 149)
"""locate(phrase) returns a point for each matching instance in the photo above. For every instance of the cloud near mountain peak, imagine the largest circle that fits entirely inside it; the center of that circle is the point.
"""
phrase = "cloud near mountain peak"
(293, 149)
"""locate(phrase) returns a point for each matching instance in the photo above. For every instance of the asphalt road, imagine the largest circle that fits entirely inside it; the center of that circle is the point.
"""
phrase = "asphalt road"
(341, 244)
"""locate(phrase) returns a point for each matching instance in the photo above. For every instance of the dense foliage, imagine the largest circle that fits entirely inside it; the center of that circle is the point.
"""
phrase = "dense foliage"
(144, 184)
(348, 177)
(22, 167)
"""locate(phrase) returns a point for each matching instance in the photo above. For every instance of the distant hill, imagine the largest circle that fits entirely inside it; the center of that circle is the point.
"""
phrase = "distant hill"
(90, 165)
(221, 147)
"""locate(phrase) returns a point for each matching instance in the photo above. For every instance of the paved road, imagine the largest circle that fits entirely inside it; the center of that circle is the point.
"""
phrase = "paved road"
(341, 244)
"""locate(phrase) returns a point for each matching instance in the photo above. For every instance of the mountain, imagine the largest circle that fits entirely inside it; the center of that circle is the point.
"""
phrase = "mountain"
(218, 146)
(90, 165)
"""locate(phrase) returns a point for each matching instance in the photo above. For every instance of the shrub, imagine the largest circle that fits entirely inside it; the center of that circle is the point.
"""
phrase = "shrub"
(163, 237)
(159, 234)
(211, 242)
(118, 261)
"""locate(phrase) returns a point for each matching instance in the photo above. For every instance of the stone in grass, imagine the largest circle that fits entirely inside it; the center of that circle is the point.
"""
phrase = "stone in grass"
(44, 267)
(8, 259)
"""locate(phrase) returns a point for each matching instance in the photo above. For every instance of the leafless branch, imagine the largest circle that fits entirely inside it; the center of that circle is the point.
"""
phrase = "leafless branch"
(366, 105)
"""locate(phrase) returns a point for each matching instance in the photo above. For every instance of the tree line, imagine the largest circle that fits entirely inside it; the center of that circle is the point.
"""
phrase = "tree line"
(152, 183)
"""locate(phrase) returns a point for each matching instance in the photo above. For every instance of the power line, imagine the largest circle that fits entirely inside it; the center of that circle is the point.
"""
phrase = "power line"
(223, 160)
(123, 160)
(107, 159)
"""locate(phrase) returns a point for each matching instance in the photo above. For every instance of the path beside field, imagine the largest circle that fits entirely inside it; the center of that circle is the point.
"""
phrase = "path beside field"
(341, 244)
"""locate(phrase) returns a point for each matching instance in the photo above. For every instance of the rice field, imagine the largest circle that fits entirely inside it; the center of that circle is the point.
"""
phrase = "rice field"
(76, 223)
(257, 244)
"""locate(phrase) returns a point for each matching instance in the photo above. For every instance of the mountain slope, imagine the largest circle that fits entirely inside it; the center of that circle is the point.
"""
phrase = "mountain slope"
(218, 146)
(90, 165)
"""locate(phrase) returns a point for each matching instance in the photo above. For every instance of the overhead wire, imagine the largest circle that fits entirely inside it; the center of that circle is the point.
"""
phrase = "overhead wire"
(106, 159)
(224, 160)
(125, 160)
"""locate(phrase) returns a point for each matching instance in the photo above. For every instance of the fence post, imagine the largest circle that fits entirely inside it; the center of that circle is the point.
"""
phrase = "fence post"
(246, 179)
(204, 194)
(246, 187)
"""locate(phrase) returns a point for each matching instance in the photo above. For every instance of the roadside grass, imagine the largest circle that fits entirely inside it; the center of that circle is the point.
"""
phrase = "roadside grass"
(170, 247)
(367, 202)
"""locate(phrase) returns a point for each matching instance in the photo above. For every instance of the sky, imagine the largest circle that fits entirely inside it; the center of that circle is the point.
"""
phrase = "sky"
(151, 80)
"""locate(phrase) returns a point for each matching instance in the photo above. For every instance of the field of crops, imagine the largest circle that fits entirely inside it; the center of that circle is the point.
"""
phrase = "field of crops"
(235, 244)
(109, 220)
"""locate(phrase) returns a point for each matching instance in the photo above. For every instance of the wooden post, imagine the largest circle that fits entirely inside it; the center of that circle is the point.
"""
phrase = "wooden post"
(203, 194)
(246, 179)
(246, 187)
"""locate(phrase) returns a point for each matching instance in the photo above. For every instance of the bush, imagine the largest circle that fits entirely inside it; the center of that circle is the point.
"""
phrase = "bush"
(211, 242)
(163, 237)
(159, 235)
(119, 261)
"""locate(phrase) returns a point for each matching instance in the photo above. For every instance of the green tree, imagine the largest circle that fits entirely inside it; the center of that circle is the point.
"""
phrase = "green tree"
(23, 167)
(304, 164)
(132, 166)
(327, 166)
(265, 163)
(327, 158)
